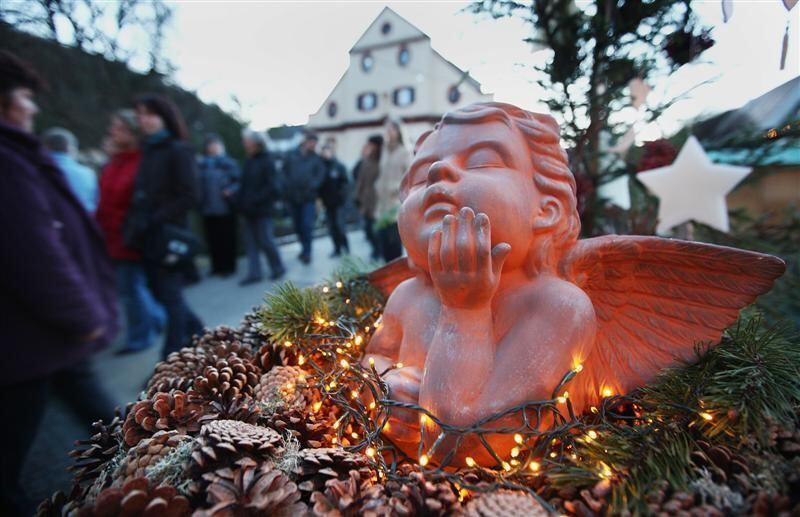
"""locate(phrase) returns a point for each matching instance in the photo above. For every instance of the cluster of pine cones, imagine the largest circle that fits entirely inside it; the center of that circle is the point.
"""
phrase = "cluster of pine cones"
(233, 426)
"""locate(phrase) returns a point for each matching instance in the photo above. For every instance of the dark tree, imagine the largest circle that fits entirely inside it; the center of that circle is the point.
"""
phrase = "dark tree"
(596, 50)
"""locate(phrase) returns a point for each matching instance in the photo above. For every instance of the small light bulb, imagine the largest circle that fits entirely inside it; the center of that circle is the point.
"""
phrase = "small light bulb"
(347, 300)
(372, 405)
(566, 395)
(301, 360)
(334, 440)
(336, 425)
(399, 365)
(339, 285)
(354, 394)
(506, 466)
(594, 410)
(553, 454)
(535, 466)
(370, 452)
(515, 452)
(518, 438)
(562, 400)
(359, 340)
(287, 344)
(423, 460)
(706, 416)
(423, 418)
(316, 406)
(607, 392)
(344, 363)
(469, 461)
(339, 350)
(578, 368)
(515, 463)
(592, 434)
(372, 361)
(325, 289)
(354, 435)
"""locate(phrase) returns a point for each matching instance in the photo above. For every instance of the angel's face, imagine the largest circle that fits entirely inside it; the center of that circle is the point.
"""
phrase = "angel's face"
(484, 166)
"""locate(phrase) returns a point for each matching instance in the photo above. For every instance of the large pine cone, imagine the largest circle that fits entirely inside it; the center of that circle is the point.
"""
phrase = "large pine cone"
(345, 497)
(138, 498)
(250, 330)
(243, 409)
(92, 455)
(283, 388)
(221, 335)
(175, 410)
(303, 426)
(251, 489)
(664, 501)
(148, 452)
(504, 503)
(181, 368)
(315, 467)
(226, 379)
(222, 441)
(723, 463)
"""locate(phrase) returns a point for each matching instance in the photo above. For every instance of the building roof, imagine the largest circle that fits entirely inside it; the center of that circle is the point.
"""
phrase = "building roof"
(405, 32)
(769, 111)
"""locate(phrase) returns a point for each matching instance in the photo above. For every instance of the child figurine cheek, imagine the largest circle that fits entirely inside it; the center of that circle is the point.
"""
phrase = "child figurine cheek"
(464, 266)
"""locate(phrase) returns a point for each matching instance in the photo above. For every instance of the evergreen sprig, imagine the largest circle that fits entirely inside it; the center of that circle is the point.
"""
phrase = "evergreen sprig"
(290, 312)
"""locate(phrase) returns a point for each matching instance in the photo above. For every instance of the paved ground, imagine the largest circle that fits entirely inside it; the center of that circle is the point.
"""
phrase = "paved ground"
(218, 302)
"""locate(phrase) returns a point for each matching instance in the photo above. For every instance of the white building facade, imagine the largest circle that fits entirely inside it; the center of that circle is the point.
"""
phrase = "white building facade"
(394, 72)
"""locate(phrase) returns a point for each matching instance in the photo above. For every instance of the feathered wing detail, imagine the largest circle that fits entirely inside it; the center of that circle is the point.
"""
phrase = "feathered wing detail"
(655, 300)
(389, 276)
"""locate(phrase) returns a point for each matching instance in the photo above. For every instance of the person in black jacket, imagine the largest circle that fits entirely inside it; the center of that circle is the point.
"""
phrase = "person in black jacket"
(219, 181)
(165, 191)
(333, 193)
(304, 172)
(258, 191)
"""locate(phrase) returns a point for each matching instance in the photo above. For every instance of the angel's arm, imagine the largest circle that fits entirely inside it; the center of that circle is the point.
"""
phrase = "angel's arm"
(470, 374)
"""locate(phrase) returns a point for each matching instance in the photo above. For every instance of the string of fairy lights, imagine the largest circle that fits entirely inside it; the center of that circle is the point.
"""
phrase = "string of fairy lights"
(333, 351)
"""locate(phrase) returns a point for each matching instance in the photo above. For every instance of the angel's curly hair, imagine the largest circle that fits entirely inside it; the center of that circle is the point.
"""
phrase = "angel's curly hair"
(550, 174)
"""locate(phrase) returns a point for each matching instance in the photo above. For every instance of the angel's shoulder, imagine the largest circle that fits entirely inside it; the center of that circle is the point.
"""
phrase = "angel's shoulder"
(551, 296)
(409, 295)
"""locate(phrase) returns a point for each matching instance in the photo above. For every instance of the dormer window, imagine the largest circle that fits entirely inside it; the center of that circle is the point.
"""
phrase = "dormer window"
(403, 56)
(367, 62)
(404, 96)
(453, 94)
(333, 108)
(367, 101)
(386, 28)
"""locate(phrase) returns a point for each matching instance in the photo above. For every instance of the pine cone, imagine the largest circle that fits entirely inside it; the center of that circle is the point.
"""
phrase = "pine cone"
(665, 501)
(764, 504)
(504, 503)
(243, 409)
(138, 498)
(274, 354)
(283, 388)
(175, 410)
(303, 426)
(148, 452)
(229, 440)
(315, 467)
(250, 330)
(343, 497)
(221, 335)
(181, 368)
(226, 379)
(92, 455)
(251, 489)
(415, 495)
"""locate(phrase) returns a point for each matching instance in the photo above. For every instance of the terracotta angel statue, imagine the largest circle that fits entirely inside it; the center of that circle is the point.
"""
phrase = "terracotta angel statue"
(499, 298)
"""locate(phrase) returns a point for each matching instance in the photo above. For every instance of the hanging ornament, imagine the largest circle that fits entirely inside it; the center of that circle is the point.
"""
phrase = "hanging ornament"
(639, 91)
(693, 188)
(727, 10)
(789, 4)
(785, 47)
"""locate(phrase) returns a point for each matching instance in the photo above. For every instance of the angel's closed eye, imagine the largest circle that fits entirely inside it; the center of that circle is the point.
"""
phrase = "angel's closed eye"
(484, 157)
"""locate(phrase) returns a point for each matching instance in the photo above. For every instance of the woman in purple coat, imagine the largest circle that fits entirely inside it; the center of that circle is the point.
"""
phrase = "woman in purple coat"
(57, 299)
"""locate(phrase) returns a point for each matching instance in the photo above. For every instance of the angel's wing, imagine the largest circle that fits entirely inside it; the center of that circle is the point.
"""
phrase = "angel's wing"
(655, 299)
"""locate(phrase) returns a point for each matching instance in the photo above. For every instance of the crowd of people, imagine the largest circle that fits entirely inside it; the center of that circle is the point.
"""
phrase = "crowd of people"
(79, 243)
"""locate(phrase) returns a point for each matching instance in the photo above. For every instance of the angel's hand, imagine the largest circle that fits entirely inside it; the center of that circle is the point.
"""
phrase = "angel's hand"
(464, 267)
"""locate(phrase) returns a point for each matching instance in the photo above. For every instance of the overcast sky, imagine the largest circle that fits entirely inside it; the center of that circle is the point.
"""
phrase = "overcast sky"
(282, 59)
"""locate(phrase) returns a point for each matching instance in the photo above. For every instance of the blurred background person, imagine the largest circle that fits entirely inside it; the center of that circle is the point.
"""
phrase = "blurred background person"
(164, 192)
(219, 182)
(57, 302)
(394, 161)
(304, 172)
(366, 174)
(63, 147)
(333, 193)
(145, 317)
(259, 189)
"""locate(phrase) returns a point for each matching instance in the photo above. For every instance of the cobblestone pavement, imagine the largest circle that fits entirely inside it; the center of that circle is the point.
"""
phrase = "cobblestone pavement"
(217, 301)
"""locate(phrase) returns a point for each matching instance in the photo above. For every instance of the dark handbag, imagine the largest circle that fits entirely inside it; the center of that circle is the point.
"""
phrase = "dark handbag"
(171, 245)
